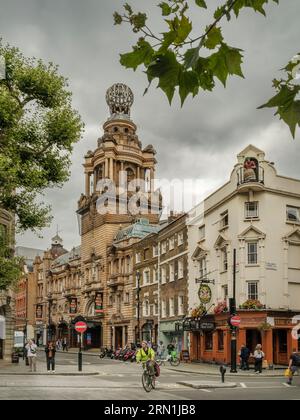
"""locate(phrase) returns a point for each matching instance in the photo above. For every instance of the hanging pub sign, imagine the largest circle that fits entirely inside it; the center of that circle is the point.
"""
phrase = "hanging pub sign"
(39, 312)
(73, 306)
(204, 294)
(99, 303)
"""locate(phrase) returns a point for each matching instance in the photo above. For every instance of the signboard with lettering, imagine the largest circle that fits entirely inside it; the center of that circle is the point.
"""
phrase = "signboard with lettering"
(73, 306)
(99, 303)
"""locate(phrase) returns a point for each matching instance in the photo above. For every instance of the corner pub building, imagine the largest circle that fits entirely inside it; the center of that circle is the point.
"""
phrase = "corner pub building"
(257, 213)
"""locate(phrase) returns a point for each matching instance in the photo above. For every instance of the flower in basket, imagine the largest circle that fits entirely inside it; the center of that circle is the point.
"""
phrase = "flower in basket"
(252, 304)
(197, 312)
(220, 308)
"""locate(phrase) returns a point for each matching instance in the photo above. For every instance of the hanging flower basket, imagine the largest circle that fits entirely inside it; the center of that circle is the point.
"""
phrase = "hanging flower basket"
(265, 326)
(199, 311)
(252, 304)
(220, 308)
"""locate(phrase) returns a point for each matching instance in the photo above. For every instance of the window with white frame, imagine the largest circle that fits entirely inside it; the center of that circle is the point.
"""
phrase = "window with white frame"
(146, 308)
(155, 250)
(155, 275)
(253, 290)
(171, 307)
(252, 253)
(224, 259)
(180, 268)
(163, 247)
(251, 210)
(138, 257)
(180, 238)
(225, 292)
(172, 271)
(201, 233)
(181, 305)
(171, 243)
(224, 222)
(163, 275)
(163, 309)
(155, 309)
(202, 267)
(127, 298)
(293, 214)
(146, 277)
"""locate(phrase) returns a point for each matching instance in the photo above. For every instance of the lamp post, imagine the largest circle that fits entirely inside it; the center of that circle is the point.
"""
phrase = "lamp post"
(138, 277)
(50, 301)
(232, 313)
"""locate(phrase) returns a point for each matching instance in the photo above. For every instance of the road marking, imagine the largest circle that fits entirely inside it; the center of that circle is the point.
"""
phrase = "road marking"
(205, 390)
(288, 386)
(243, 385)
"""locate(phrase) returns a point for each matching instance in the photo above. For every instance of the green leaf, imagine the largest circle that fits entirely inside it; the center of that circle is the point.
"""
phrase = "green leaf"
(188, 83)
(290, 115)
(166, 68)
(128, 9)
(166, 9)
(190, 57)
(283, 99)
(168, 39)
(205, 75)
(183, 30)
(141, 54)
(234, 61)
(225, 62)
(213, 38)
(201, 3)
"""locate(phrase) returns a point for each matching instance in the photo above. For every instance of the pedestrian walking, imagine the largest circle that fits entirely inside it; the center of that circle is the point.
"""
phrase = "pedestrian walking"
(50, 351)
(161, 350)
(31, 349)
(65, 344)
(294, 365)
(244, 356)
(258, 357)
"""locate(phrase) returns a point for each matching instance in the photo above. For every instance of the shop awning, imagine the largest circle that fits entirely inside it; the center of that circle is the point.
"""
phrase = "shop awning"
(2, 328)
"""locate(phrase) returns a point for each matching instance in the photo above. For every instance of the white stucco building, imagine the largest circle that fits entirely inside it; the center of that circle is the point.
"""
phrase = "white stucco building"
(257, 213)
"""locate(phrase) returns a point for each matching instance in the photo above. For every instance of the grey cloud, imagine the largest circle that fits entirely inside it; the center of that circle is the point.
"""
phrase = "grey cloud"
(199, 141)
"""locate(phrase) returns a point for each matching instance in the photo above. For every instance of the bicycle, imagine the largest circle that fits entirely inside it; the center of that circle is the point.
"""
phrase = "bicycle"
(148, 379)
(172, 358)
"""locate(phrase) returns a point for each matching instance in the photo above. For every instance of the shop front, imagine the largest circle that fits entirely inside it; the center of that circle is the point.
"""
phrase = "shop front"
(272, 329)
(171, 332)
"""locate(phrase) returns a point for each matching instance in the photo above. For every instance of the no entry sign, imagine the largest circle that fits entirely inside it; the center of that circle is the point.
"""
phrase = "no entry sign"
(81, 327)
(235, 321)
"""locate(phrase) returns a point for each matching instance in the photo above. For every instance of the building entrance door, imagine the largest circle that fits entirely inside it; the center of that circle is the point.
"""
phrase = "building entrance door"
(253, 337)
(197, 345)
(118, 337)
(280, 355)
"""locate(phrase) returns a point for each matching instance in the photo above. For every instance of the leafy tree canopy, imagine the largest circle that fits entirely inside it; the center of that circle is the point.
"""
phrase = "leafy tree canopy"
(38, 130)
(190, 64)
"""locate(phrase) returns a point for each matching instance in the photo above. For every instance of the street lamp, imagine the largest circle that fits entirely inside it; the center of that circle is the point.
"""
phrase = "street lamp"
(50, 302)
(138, 277)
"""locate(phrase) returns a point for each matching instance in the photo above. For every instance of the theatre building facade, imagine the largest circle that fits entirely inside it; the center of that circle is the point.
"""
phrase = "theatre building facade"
(257, 213)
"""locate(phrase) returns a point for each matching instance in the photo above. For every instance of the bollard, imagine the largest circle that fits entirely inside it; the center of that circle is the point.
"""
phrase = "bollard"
(223, 371)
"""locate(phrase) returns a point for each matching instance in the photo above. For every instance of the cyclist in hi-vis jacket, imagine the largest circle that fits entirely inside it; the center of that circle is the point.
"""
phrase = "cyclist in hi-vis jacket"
(146, 355)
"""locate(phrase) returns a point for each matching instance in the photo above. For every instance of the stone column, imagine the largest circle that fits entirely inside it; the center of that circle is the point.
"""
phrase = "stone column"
(111, 169)
(106, 168)
(151, 180)
(87, 184)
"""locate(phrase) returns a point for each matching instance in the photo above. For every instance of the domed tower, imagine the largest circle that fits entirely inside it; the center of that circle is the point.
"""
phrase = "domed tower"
(119, 177)
(120, 159)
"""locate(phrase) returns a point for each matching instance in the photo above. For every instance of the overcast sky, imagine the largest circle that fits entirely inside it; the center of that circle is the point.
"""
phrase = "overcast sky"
(201, 140)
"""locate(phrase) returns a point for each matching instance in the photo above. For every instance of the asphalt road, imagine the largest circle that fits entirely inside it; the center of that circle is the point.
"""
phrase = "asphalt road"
(119, 381)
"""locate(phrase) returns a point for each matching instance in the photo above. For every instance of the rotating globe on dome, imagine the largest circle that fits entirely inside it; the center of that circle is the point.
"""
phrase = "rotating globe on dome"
(119, 98)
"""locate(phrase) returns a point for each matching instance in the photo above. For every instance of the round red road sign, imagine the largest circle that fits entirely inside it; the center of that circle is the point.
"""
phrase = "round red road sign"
(81, 327)
(235, 321)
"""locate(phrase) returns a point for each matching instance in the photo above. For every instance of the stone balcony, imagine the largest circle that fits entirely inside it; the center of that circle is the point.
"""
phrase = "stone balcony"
(253, 180)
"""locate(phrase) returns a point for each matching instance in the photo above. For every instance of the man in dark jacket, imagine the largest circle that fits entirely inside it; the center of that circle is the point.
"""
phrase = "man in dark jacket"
(294, 365)
(244, 355)
(50, 351)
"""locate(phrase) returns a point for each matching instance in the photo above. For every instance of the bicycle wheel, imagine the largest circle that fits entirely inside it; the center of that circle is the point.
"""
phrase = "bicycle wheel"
(147, 382)
(153, 382)
(175, 361)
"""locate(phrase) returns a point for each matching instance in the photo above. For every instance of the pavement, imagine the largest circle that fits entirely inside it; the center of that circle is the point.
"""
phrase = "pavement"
(112, 380)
